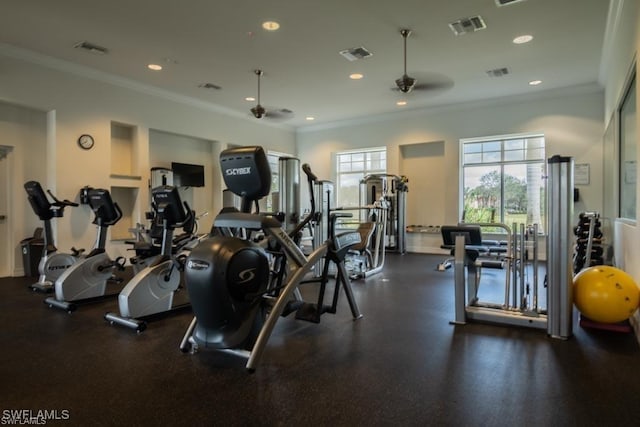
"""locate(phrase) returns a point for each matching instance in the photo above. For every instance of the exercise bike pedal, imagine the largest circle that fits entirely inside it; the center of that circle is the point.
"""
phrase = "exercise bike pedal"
(292, 306)
(115, 280)
(443, 266)
(42, 288)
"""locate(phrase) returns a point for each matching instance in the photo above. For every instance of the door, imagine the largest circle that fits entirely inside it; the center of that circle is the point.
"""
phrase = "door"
(6, 244)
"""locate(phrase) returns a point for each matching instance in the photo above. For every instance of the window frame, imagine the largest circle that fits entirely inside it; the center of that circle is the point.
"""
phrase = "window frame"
(501, 164)
(623, 170)
(365, 171)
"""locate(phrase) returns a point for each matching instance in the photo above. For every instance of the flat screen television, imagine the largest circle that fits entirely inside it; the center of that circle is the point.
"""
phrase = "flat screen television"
(187, 175)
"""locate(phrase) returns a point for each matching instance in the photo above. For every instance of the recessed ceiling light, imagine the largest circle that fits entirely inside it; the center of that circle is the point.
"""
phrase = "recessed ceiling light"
(154, 67)
(356, 76)
(250, 98)
(535, 82)
(401, 103)
(526, 38)
(270, 25)
(310, 118)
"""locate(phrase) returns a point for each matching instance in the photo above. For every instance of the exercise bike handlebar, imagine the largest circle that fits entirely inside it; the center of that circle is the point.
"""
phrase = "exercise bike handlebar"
(307, 170)
(61, 203)
(188, 217)
(118, 215)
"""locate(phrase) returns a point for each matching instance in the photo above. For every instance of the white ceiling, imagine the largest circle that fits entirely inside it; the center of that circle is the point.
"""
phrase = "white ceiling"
(222, 42)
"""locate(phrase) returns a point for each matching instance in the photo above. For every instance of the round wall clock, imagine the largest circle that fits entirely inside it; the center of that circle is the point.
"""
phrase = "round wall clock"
(86, 141)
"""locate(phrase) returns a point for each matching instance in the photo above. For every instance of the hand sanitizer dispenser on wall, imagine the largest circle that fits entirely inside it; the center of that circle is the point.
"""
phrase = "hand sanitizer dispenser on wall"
(161, 176)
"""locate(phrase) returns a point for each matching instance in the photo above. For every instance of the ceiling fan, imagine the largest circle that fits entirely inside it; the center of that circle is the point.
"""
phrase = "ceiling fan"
(406, 83)
(271, 113)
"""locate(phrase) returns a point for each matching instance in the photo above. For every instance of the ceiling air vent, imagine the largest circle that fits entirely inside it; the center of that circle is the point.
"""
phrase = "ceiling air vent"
(498, 72)
(93, 48)
(355, 53)
(501, 3)
(209, 86)
(467, 25)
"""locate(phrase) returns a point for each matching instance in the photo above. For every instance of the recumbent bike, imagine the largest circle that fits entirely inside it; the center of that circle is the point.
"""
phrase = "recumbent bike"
(235, 297)
(150, 292)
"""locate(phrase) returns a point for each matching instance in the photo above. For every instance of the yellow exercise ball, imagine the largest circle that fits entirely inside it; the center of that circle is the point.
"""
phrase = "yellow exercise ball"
(605, 294)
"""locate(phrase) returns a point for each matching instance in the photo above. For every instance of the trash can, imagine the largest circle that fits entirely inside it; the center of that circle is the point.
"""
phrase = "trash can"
(32, 248)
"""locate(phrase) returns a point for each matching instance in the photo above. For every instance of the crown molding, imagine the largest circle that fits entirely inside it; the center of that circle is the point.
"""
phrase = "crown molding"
(93, 74)
(614, 17)
(504, 100)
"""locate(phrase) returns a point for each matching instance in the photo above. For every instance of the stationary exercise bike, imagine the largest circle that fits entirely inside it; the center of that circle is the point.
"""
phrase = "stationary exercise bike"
(148, 243)
(52, 263)
(86, 280)
(234, 295)
(152, 289)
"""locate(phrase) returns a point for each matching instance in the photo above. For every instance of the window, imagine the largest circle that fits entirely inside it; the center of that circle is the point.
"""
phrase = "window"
(351, 168)
(628, 165)
(502, 180)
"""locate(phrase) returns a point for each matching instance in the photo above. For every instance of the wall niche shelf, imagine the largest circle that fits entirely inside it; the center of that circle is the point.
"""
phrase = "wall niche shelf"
(131, 177)
(123, 150)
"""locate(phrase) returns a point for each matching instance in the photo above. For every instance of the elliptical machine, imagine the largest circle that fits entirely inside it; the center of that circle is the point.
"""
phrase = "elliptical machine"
(234, 298)
(52, 263)
(86, 280)
(152, 289)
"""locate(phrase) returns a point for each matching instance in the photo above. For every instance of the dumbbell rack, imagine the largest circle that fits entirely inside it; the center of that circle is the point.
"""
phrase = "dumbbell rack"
(588, 250)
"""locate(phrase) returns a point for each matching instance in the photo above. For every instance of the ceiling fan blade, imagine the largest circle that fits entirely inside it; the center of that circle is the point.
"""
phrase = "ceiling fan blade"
(428, 82)
(278, 113)
(431, 81)
(272, 113)
(421, 82)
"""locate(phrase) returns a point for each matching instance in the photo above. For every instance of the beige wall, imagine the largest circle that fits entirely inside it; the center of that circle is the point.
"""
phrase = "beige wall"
(624, 43)
(69, 105)
(24, 129)
(424, 145)
(168, 147)
(72, 105)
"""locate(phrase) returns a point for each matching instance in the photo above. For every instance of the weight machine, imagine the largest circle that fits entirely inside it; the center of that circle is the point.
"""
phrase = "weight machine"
(518, 309)
(393, 190)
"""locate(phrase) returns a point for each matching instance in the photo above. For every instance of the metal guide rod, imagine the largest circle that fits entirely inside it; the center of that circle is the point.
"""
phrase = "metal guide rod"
(535, 267)
(514, 271)
(468, 309)
(523, 262)
(460, 282)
